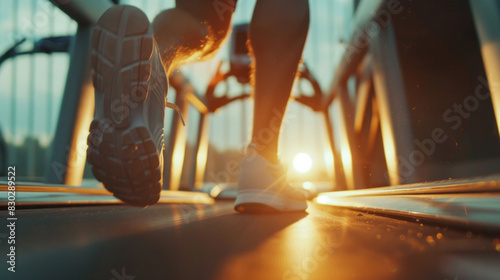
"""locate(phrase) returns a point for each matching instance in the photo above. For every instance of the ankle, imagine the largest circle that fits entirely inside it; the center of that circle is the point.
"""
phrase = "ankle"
(271, 157)
(265, 151)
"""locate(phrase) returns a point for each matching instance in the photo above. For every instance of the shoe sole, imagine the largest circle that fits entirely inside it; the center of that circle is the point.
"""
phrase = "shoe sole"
(121, 148)
(264, 201)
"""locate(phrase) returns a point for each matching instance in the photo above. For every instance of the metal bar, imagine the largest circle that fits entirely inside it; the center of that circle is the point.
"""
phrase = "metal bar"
(362, 99)
(83, 11)
(480, 215)
(355, 51)
(77, 107)
(13, 94)
(31, 107)
(349, 148)
(244, 123)
(393, 109)
(486, 16)
(198, 102)
(340, 182)
(50, 73)
(374, 127)
(200, 153)
(329, 30)
(176, 148)
(68, 148)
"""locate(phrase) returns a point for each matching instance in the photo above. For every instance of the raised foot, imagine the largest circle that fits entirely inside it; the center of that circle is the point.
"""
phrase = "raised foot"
(125, 144)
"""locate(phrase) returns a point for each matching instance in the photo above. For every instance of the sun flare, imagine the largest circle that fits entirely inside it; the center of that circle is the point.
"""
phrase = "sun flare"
(302, 163)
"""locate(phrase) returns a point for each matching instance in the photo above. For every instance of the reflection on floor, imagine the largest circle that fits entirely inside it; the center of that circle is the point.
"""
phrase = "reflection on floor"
(472, 204)
(195, 241)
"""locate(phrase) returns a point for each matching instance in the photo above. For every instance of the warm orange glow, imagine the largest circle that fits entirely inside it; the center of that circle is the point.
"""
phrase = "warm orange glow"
(308, 253)
(386, 126)
(345, 153)
(328, 157)
(346, 157)
(323, 199)
(201, 158)
(311, 187)
(490, 56)
(77, 154)
(308, 186)
(389, 149)
(177, 161)
(201, 162)
(302, 163)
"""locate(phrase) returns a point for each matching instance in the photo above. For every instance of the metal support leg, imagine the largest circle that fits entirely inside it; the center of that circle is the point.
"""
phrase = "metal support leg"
(393, 109)
(69, 147)
(486, 18)
(349, 147)
(340, 182)
(176, 148)
(199, 162)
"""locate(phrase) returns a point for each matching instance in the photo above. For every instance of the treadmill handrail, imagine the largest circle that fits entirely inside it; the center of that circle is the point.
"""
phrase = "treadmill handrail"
(85, 12)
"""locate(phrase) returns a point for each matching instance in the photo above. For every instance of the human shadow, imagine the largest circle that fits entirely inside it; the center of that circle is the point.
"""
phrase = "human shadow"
(194, 250)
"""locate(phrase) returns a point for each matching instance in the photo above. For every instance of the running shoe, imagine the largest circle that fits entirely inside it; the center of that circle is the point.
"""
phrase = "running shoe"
(263, 187)
(125, 144)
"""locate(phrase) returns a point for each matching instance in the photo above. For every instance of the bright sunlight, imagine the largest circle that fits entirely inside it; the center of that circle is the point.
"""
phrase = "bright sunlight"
(302, 162)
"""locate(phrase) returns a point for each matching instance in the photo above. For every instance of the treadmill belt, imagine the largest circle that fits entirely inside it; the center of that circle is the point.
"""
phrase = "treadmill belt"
(192, 241)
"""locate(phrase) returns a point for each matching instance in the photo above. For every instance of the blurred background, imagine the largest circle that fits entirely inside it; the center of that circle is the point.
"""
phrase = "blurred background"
(31, 89)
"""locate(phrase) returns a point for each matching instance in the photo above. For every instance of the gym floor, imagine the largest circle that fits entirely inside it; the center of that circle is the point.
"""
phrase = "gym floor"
(211, 241)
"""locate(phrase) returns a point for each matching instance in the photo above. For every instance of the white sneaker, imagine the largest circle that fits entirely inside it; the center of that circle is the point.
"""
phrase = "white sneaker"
(125, 143)
(263, 187)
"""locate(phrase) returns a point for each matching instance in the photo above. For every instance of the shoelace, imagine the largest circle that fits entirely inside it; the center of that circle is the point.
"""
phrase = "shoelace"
(177, 109)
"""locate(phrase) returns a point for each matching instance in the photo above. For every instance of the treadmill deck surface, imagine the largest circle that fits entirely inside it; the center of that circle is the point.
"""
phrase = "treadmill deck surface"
(211, 241)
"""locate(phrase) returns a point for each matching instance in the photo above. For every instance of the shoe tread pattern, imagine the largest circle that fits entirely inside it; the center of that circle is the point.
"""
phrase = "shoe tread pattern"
(122, 151)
